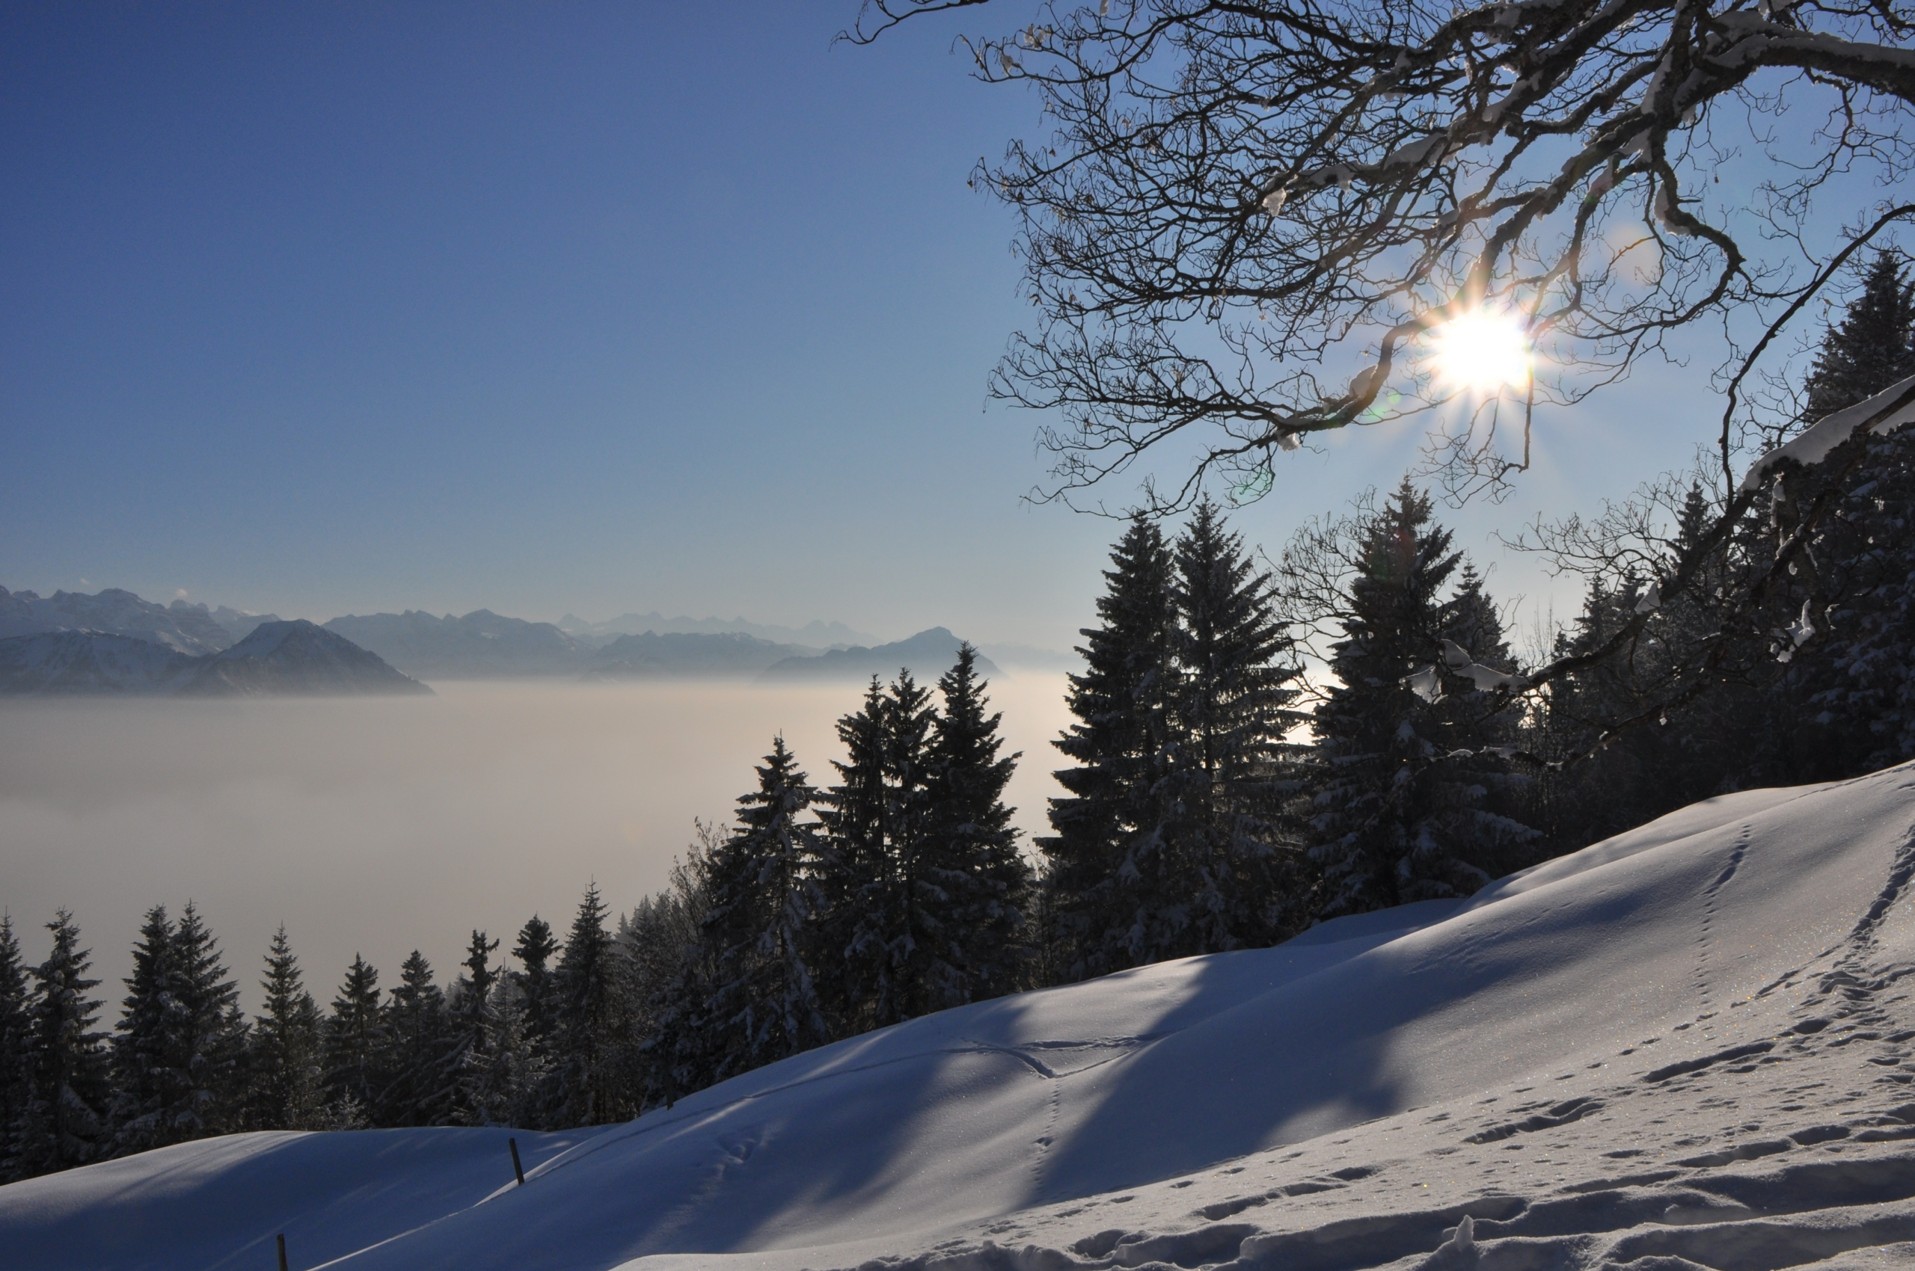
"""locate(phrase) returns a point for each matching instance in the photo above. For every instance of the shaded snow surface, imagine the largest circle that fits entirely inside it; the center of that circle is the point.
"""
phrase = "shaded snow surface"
(1688, 1046)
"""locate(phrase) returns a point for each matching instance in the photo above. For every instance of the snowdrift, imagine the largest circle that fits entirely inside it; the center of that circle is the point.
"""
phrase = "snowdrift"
(1686, 1046)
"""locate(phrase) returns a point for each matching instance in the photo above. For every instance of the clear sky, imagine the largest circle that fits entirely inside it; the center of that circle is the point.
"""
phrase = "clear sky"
(592, 307)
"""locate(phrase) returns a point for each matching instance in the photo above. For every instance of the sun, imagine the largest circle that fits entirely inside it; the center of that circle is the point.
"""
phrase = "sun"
(1482, 350)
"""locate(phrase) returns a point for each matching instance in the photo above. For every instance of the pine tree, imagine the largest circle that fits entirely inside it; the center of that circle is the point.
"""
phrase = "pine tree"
(147, 1084)
(535, 949)
(762, 893)
(1399, 816)
(287, 1090)
(856, 815)
(63, 1123)
(16, 1052)
(586, 987)
(1109, 826)
(1228, 877)
(986, 881)
(895, 942)
(1871, 348)
(211, 1052)
(355, 1043)
(422, 1082)
(472, 1028)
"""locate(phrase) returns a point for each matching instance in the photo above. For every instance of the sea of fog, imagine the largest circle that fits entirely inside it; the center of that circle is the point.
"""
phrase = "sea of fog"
(380, 826)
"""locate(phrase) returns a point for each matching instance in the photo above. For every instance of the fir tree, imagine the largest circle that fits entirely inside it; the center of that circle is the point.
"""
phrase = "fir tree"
(856, 814)
(586, 987)
(1109, 827)
(473, 1028)
(534, 949)
(355, 1042)
(1400, 816)
(1872, 347)
(16, 1037)
(63, 1123)
(211, 1052)
(986, 881)
(287, 1090)
(1227, 875)
(422, 1081)
(755, 999)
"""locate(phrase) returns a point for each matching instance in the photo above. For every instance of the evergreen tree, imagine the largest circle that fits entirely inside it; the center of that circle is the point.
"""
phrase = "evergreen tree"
(148, 1084)
(856, 815)
(534, 949)
(473, 1028)
(16, 1052)
(1109, 826)
(986, 882)
(422, 1079)
(63, 1123)
(762, 894)
(1227, 876)
(355, 1043)
(211, 1052)
(879, 817)
(1874, 344)
(287, 1090)
(586, 987)
(1400, 814)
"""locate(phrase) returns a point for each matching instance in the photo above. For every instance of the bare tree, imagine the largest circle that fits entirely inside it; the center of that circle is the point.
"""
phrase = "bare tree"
(1249, 216)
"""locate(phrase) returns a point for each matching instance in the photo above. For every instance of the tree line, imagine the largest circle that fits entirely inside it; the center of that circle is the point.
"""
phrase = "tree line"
(1255, 746)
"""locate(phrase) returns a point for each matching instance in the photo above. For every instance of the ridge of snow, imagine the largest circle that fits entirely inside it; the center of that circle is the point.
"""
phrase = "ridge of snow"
(1888, 410)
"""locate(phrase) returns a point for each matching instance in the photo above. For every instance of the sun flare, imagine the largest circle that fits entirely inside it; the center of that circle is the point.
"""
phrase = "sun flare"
(1482, 350)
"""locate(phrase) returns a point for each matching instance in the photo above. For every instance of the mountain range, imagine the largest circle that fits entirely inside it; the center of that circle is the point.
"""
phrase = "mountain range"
(424, 646)
(813, 635)
(276, 658)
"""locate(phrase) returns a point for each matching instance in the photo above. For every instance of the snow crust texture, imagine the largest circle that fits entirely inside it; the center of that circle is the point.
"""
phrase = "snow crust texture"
(1688, 1046)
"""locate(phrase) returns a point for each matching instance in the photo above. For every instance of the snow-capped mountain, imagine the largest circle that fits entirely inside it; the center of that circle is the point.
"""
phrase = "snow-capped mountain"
(814, 635)
(1685, 1047)
(277, 658)
(928, 654)
(63, 663)
(188, 629)
(295, 658)
(480, 645)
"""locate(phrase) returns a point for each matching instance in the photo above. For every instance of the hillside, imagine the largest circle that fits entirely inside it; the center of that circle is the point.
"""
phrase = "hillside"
(277, 658)
(1687, 1046)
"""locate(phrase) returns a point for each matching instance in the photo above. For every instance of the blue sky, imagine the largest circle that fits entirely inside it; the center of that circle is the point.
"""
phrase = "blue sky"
(349, 307)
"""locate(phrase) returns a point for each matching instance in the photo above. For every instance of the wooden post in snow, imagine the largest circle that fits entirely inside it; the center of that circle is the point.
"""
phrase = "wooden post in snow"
(282, 1252)
(516, 1167)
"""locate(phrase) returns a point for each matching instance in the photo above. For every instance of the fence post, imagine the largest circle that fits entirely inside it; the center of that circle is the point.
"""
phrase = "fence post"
(282, 1252)
(516, 1167)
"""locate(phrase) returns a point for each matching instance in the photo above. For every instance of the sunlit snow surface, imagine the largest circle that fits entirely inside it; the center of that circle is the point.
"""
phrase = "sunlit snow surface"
(1687, 1046)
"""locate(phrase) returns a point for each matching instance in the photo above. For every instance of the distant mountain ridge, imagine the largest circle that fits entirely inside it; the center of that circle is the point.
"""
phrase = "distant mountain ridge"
(480, 645)
(813, 635)
(928, 654)
(686, 655)
(277, 658)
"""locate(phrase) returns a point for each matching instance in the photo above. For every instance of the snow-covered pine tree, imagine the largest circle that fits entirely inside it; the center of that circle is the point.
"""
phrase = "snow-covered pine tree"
(856, 815)
(286, 1088)
(355, 1048)
(1109, 825)
(1396, 819)
(986, 881)
(422, 1080)
(472, 1028)
(535, 948)
(147, 1085)
(588, 997)
(1481, 728)
(1230, 876)
(212, 1050)
(761, 889)
(1859, 687)
(16, 1035)
(63, 1123)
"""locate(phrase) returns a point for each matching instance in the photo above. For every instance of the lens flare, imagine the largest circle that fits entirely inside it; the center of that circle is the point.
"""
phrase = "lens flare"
(1482, 350)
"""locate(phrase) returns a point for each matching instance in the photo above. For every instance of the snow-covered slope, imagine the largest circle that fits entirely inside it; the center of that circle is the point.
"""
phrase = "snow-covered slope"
(89, 662)
(1686, 1046)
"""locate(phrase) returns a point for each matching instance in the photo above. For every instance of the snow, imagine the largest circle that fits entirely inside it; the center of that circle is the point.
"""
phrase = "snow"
(1888, 410)
(1686, 1042)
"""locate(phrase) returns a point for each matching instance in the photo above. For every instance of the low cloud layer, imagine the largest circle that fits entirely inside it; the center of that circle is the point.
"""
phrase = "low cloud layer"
(380, 826)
